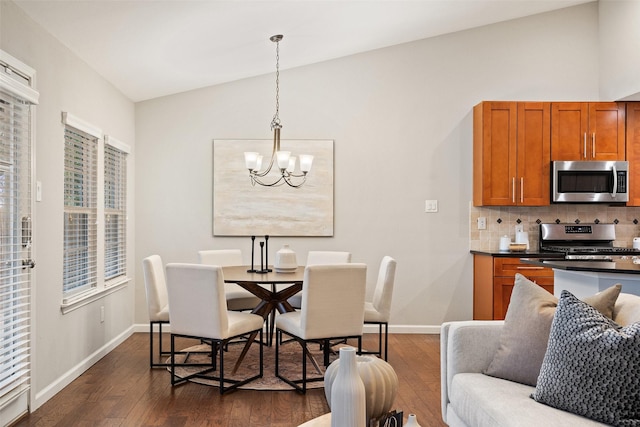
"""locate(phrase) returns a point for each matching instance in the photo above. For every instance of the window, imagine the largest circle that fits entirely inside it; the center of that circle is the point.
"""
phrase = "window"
(95, 213)
(80, 211)
(115, 210)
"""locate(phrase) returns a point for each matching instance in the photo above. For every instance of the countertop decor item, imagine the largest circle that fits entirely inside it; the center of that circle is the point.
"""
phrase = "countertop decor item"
(285, 162)
(285, 260)
(518, 247)
(347, 401)
(380, 384)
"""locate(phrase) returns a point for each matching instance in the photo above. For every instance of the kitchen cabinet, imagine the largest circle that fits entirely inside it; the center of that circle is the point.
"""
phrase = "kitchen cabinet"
(633, 152)
(511, 153)
(493, 281)
(588, 131)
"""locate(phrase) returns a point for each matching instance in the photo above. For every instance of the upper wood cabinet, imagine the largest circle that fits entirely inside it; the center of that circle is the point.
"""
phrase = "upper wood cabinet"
(633, 152)
(511, 153)
(588, 131)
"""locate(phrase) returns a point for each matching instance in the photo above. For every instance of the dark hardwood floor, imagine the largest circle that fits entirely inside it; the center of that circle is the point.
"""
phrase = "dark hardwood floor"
(121, 390)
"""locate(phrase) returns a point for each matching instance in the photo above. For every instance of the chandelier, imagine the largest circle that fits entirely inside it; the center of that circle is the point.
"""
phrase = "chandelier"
(285, 162)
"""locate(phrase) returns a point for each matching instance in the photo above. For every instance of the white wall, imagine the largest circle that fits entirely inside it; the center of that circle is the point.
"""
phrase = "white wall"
(64, 344)
(401, 118)
(619, 22)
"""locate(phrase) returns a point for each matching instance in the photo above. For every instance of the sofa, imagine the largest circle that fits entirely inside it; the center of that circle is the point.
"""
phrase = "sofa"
(471, 397)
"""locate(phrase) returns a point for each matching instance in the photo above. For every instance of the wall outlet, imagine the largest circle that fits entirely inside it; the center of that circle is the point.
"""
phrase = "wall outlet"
(519, 228)
(482, 223)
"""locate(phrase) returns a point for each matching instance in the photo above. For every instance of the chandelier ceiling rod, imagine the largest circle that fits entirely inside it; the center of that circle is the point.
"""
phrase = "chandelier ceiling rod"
(286, 163)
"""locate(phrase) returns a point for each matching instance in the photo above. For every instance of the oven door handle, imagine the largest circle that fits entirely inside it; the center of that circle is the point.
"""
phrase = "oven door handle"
(615, 180)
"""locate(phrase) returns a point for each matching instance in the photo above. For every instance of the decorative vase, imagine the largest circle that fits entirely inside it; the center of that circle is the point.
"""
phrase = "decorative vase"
(380, 384)
(285, 260)
(347, 402)
(412, 421)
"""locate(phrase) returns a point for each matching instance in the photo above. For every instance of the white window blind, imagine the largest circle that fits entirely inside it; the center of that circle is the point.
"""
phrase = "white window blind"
(15, 243)
(80, 211)
(115, 212)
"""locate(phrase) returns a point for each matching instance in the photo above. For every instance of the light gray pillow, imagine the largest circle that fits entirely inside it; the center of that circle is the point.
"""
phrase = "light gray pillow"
(524, 337)
(592, 365)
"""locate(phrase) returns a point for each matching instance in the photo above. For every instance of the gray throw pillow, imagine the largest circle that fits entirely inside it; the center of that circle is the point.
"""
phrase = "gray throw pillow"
(592, 365)
(524, 337)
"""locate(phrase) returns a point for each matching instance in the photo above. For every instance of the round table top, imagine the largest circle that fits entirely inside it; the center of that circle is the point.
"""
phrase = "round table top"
(321, 421)
(236, 274)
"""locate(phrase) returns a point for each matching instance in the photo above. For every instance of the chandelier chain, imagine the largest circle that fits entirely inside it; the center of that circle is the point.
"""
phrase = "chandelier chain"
(276, 117)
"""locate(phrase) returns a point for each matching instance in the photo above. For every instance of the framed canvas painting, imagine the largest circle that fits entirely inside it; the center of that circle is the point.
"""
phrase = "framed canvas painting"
(243, 209)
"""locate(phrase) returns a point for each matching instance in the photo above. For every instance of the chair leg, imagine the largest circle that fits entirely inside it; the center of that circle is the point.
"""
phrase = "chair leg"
(161, 353)
(386, 341)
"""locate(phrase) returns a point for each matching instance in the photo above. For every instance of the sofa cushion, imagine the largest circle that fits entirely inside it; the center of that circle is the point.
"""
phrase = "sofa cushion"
(482, 401)
(627, 309)
(592, 365)
(523, 341)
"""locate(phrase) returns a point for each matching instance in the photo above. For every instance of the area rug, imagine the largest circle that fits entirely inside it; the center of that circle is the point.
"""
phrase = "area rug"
(290, 365)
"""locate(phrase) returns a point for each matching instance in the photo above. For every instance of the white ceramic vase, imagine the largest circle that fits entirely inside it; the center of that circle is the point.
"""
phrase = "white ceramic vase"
(380, 384)
(285, 260)
(348, 404)
(412, 421)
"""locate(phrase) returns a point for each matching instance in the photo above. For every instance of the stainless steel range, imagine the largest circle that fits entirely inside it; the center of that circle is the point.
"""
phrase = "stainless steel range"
(582, 241)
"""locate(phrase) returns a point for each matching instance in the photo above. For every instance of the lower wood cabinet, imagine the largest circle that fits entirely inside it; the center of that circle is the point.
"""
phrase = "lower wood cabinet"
(493, 279)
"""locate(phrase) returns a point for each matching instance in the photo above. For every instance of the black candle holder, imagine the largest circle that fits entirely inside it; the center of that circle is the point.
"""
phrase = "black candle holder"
(253, 240)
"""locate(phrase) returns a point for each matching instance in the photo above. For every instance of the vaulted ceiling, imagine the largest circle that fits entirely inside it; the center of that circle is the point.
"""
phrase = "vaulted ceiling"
(152, 48)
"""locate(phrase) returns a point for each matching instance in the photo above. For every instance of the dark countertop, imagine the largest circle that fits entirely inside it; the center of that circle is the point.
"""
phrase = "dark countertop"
(620, 264)
(519, 254)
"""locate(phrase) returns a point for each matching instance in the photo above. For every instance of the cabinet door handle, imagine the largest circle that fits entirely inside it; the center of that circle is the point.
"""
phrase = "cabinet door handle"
(513, 190)
(521, 189)
(585, 145)
(593, 145)
(530, 268)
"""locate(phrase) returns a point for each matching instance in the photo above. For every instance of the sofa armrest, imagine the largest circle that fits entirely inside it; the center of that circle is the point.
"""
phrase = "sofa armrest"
(466, 346)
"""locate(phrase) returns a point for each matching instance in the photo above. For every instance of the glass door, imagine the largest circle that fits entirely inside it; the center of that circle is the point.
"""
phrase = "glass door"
(15, 254)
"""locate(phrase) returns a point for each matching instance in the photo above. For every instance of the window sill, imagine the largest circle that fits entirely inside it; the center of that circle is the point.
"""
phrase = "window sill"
(71, 304)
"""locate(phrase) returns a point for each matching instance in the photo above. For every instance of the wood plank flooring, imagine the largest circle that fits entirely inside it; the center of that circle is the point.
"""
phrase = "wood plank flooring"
(121, 390)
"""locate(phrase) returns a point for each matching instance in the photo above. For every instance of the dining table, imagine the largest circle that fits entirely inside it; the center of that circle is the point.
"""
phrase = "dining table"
(273, 288)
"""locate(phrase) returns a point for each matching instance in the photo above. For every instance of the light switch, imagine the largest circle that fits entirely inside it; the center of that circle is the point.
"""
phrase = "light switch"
(431, 206)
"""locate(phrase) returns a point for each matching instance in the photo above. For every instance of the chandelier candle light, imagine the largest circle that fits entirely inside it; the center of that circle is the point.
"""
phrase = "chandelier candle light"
(286, 163)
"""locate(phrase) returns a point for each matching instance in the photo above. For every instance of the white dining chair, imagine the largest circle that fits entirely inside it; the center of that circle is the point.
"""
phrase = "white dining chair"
(157, 303)
(320, 258)
(238, 299)
(332, 308)
(378, 311)
(198, 309)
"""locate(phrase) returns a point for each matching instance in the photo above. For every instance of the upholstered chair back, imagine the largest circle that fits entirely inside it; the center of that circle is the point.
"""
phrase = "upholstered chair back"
(333, 300)
(327, 257)
(384, 287)
(156, 288)
(197, 303)
(221, 257)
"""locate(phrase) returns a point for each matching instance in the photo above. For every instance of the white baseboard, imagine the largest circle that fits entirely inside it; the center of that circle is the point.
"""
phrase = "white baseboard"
(66, 379)
(369, 329)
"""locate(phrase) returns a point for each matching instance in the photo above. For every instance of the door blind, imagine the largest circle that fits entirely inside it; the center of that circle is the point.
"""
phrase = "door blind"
(80, 206)
(15, 243)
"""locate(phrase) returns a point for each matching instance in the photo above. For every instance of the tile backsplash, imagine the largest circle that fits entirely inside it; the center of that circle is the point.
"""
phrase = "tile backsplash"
(502, 221)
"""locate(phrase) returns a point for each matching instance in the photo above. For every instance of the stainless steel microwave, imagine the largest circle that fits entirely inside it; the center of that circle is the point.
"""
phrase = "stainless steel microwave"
(590, 181)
